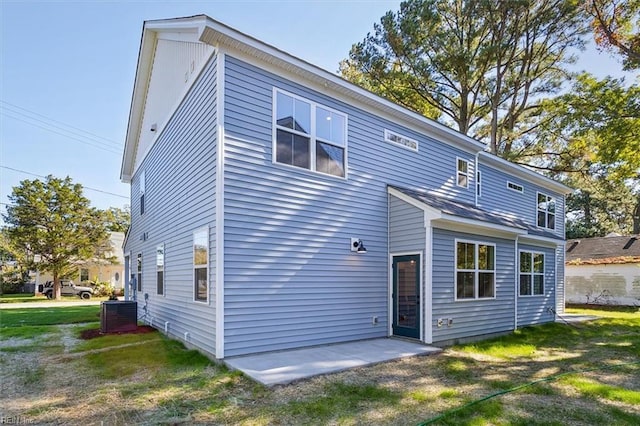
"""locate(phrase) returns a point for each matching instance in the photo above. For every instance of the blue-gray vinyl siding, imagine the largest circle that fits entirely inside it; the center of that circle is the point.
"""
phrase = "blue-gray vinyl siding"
(290, 277)
(471, 317)
(535, 309)
(180, 197)
(560, 280)
(406, 227)
(497, 197)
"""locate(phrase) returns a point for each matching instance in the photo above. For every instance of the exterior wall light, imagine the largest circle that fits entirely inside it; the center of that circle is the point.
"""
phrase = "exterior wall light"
(358, 246)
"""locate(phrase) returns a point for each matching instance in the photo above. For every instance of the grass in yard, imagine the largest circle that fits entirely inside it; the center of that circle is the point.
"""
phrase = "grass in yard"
(21, 297)
(155, 355)
(155, 380)
(109, 340)
(26, 331)
(338, 401)
(49, 316)
(597, 390)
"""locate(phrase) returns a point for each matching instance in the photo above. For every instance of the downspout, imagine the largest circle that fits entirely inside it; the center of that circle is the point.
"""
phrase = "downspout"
(476, 170)
(220, 134)
(515, 290)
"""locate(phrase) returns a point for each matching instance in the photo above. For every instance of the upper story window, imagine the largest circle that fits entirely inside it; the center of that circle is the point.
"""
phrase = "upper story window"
(462, 175)
(531, 273)
(309, 135)
(475, 270)
(515, 187)
(546, 211)
(141, 189)
(479, 183)
(398, 139)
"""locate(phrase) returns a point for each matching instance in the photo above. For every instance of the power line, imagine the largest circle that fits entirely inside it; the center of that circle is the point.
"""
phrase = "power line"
(93, 135)
(63, 134)
(85, 187)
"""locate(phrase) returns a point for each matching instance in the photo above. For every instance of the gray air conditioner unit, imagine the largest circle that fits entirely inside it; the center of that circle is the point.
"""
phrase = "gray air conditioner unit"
(118, 316)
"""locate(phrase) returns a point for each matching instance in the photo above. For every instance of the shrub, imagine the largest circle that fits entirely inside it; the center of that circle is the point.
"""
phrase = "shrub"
(103, 288)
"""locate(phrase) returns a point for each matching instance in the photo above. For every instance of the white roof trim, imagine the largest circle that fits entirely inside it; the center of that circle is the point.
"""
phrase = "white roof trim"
(523, 173)
(438, 216)
(540, 240)
(216, 33)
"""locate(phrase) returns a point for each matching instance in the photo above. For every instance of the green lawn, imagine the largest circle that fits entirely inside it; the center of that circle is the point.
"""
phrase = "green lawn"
(28, 297)
(21, 297)
(48, 316)
(552, 374)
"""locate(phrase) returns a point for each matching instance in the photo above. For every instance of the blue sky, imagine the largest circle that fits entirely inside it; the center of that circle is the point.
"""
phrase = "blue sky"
(68, 68)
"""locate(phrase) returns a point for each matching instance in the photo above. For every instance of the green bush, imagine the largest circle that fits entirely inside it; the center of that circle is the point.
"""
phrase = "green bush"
(11, 285)
(103, 288)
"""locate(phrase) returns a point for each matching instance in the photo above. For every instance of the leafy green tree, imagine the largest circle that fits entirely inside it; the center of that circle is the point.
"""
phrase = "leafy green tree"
(116, 219)
(53, 223)
(616, 27)
(600, 206)
(593, 129)
(594, 126)
(480, 65)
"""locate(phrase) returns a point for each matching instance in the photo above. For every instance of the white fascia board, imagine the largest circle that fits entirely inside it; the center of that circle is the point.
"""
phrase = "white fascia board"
(216, 33)
(463, 224)
(140, 86)
(540, 240)
(432, 213)
(182, 28)
(524, 173)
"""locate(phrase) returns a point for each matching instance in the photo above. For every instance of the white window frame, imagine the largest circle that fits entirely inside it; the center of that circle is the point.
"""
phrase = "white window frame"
(205, 230)
(139, 262)
(515, 187)
(460, 173)
(479, 183)
(402, 141)
(312, 135)
(88, 277)
(141, 192)
(532, 274)
(160, 268)
(546, 212)
(476, 271)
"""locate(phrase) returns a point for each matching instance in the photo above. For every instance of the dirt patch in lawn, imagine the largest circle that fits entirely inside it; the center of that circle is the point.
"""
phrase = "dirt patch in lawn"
(95, 332)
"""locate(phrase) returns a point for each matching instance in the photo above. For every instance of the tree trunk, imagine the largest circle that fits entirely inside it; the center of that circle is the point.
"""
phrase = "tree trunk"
(56, 287)
(636, 218)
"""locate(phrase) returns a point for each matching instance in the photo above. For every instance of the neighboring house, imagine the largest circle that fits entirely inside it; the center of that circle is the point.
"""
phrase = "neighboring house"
(604, 270)
(102, 269)
(275, 205)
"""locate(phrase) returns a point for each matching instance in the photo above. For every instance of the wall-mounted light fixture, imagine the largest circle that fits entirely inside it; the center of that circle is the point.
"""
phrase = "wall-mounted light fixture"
(358, 246)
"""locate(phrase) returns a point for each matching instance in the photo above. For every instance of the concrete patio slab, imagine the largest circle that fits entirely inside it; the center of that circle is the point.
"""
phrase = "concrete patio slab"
(567, 318)
(276, 368)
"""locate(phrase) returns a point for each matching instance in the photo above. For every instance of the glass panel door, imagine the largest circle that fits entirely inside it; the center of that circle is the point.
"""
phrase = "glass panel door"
(406, 296)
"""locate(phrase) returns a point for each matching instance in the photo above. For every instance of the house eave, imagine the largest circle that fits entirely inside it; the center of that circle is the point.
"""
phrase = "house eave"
(150, 31)
(216, 33)
(524, 173)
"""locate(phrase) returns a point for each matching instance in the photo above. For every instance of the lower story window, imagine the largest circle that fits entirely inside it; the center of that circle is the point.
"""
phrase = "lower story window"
(531, 273)
(475, 270)
(84, 275)
(139, 277)
(201, 265)
(160, 269)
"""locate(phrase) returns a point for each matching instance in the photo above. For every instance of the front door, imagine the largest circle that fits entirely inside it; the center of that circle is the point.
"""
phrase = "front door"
(406, 296)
